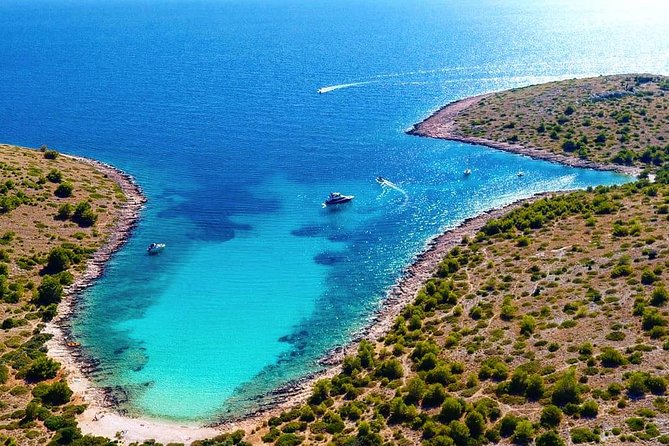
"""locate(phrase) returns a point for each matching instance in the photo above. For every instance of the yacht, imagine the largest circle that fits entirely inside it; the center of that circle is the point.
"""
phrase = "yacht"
(155, 248)
(337, 198)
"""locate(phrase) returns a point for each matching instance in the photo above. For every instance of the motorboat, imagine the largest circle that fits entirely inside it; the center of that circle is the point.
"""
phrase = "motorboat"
(381, 180)
(155, 248)
(520, 174)
(337, 198)
(467, 172)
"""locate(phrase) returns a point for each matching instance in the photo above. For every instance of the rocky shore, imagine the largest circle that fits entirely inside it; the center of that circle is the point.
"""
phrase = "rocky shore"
(442, 125)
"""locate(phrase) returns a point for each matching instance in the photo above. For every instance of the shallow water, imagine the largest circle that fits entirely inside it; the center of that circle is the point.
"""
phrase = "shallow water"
(213, 106)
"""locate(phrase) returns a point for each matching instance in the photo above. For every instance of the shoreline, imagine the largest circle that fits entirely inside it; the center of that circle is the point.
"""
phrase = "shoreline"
(441, 125)
(402, 293)
(102, 417)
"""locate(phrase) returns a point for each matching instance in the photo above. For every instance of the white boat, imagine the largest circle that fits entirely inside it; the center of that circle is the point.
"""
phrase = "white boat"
(337, 198)
(155, 248)
(467, 172)
(520, 174)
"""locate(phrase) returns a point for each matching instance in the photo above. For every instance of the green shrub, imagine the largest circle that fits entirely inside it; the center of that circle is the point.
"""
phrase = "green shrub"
(55, 394)
(507, 425)
(549, 438)
(288, 440)
(636, 384)
(611, 357)
(566, 390)
(50, 154)
(527, 325)
(524, 432)
(435, 395)
(50, 291)
(551, 416)
(659, 296)
(65, 211)
(635, 424)
(450, 410)
(475, 423)
(55, 176)
(64, 190)
(391, 369)
(648, 277)
(84, 215)
(58, 260)
(583, 435)
(42, 368)
(589, 409)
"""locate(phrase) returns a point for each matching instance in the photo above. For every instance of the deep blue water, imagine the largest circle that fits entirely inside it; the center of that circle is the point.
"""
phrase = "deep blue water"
(212, 106)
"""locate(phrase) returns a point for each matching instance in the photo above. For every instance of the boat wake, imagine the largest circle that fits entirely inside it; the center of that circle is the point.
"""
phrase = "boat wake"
(323, 90)
(387, 184)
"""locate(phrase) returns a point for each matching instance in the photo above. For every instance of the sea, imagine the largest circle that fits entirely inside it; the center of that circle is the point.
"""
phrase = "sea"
(213, 106)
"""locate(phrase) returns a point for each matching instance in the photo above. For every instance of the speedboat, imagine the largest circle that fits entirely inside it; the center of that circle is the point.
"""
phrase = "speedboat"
(381, 180)
(520, 174)
(155, 248)
(467, 172)
(337, 198)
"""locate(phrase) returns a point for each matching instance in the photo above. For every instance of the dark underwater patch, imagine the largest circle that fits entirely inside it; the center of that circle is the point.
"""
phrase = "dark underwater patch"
(308, 231)
(329, 258)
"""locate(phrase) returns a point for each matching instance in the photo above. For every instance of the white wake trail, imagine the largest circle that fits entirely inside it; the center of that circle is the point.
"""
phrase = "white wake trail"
(330, 88)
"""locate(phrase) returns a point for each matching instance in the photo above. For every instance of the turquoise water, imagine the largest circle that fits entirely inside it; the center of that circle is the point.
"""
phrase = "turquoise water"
(213, 107)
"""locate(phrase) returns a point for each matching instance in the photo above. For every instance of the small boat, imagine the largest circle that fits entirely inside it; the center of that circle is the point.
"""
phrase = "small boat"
(155, 248)
(73, 344)
(467, 172)
(337, 198)
(520, 174)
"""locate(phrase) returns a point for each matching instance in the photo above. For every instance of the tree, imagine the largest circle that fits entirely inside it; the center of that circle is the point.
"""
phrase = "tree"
(58, 260)
(320, 392)
(42, 368)
(55, 394)
(50, 291)
(391, 369)
(435, 395)
(415, 389)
